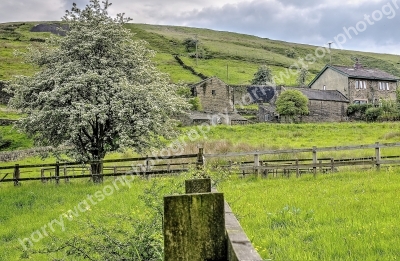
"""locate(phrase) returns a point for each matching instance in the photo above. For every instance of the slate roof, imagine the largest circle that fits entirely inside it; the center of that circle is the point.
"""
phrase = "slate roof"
(322, 95)
(364, 73)
(360, 73)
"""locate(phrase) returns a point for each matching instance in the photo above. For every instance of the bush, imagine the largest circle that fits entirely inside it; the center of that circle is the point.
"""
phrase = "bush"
(361, 108)
(196, 105)
(372, 114)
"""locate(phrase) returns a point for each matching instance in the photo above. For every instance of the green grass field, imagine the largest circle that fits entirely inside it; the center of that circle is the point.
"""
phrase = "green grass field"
(344, 216)
(27, 209)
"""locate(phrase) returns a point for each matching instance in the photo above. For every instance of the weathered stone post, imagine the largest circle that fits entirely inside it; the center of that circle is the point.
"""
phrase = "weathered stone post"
(194, 224)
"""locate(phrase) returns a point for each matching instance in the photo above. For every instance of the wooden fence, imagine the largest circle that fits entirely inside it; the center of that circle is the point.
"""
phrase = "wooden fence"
(312, 164)
(176, 164)
(143, 166)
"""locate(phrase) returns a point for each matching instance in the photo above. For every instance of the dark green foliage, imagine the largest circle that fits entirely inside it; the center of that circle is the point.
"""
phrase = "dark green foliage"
(292, 103)
(373, 113)
(358, 108)
(302, 77)
(291, 53)
(190, 44)
(196, 105)
(263, 76)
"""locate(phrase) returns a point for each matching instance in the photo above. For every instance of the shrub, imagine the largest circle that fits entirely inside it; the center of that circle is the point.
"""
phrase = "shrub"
(196, 105)
(372, 114)
(361, 108)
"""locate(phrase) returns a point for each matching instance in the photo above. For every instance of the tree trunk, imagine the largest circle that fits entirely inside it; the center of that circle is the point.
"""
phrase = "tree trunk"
(97, 171)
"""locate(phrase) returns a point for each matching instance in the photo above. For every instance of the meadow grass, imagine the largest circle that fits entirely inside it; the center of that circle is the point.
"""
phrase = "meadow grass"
(343, 216)
(18, 140)
(28, 208)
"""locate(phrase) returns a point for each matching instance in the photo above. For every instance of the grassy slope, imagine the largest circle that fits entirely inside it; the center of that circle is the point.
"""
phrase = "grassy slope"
(242, 53)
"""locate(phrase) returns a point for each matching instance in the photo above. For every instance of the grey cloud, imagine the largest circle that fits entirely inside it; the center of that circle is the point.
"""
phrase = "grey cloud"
(305, 22)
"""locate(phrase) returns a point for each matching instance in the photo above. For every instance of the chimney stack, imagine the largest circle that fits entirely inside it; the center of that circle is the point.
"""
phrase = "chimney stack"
(357, 65)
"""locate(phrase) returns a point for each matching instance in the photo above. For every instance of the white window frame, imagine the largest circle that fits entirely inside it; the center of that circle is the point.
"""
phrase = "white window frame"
(360, 84)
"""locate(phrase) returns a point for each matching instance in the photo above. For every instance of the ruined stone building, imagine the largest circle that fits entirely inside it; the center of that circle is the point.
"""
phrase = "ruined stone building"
(216, 98)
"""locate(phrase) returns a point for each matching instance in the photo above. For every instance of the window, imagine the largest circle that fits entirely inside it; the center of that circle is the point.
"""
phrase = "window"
(213, 92)
(360, 101)
(384, 86)
(361, 84)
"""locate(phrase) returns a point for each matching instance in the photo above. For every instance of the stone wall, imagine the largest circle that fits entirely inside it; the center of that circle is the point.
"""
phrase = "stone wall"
(320, 111)
(371, 93)
(7, 122)
(326, 111)
(214, 95)
(4, 97)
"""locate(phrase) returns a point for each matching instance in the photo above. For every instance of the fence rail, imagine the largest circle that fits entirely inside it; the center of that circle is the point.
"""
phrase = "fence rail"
(312, 164)
(179, 163)
(76, 170)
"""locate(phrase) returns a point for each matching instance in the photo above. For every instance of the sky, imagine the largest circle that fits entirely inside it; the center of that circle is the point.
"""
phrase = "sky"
(363, 25)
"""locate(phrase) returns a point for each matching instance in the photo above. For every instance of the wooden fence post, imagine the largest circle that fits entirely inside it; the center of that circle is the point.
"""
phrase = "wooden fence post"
(321, 169)
(297, 168)
(377, 156)
(315, 160)
(147, 163)
(16, 175)
(256, 163)
(200, 159)
(57, 172)
(65, 175)
(332, 165)
(42, 176)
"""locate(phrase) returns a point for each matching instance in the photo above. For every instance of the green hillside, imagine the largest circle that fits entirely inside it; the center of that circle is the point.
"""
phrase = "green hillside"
(232, 57)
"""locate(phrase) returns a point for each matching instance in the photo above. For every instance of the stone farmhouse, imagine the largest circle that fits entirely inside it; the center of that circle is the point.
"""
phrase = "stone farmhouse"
(359, 85)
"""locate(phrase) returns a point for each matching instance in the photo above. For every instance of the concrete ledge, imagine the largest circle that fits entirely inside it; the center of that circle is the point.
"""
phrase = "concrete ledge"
(239, 245)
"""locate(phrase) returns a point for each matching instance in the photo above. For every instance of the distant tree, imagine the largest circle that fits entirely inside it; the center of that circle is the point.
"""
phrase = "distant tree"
(190, 44)
(291, 104)
(263, 76)
(302, 77)
(97, 90)
(291, 53)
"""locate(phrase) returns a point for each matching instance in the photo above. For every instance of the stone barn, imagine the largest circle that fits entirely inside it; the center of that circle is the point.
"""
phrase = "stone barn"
(324, 106)
(214, 95)
(216, 98)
